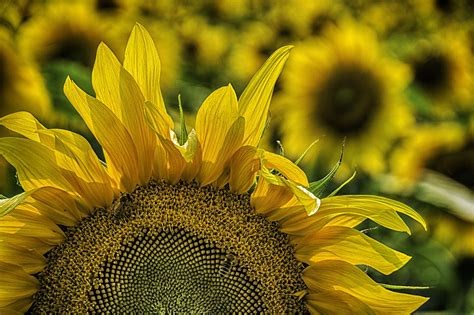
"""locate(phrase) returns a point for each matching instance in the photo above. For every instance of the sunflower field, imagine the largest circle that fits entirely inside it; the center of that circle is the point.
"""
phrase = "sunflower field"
(237, 156)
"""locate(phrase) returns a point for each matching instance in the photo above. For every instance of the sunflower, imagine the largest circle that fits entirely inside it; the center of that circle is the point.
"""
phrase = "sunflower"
(21, 85)
(452, 219)
(21, 88)
(225, 11)
(443, 71)
(63, 32)
(434, 164)
(445, 11)
(63, 39)
(314, 17)
(203, 43)
(254, 45)
(421, 145)
(207, 223)
(343, 86)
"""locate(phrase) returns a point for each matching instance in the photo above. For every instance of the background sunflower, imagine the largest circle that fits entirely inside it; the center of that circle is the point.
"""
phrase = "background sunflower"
(416, 148)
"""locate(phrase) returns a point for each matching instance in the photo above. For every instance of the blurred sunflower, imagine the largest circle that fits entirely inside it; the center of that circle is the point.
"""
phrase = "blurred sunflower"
(21, 88)
(14, 13)
(343, 86)
(314, 17)
(434, 163)
(204, 44)
(108, 8)
(174, 225)
(222, 11)
(445, 11)
(420, 145)
(443, 71)
(401, 18)
(63, 32)
(254, 45)
(21, 85)
(63, 40)
(154, 10)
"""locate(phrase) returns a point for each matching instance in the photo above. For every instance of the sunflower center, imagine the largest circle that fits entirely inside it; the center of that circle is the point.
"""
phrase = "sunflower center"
(107, 5)
(74, 48)
(173, 248)
(191, 49)
(432, 72)
(457, 165)
(348, 99)
(320, 22)
(445, 6)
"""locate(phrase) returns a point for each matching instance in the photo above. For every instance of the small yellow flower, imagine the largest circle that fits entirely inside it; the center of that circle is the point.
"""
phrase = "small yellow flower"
(214, 224)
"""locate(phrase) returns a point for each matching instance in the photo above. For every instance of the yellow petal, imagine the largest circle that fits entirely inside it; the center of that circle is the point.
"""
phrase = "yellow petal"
(59, 206)
(174, 161)
(48, 169)
(220, 131)
(28, 222)
(244, 165)
(30, 261)
(285, 167)
(12, 309)
(72, 153)
(332, 275)
(160, 162)
(116, 88)
(37, 244)
(348, 221)
(9, 204)
(133, 109)
(40, 172)
(267, 196)
(25, 124)
(336, 302)
(352, 246)
(193, 156)
(158, 120)
(310, 202)
(255, 100)
(143, 63)
(366, 206)
(120, 151)
(105, 75)
(395, 205)
(16, 286)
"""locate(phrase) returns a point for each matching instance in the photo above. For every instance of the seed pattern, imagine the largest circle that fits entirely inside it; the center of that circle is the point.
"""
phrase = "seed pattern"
(173, 248)
(174, 271)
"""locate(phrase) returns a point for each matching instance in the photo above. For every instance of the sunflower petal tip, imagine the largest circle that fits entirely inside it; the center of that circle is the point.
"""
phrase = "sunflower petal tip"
(317, 201)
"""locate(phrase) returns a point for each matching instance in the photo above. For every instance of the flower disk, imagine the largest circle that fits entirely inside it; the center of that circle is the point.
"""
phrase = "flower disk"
(173, 248)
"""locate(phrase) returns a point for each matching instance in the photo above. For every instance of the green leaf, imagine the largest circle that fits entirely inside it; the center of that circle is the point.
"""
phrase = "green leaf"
(306, 151)
(404, 287)
(318, 187)
(183, 135)
(343, 184)
(280, 148)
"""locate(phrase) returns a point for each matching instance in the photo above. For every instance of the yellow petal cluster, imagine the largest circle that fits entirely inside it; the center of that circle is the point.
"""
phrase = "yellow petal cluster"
(64, 180)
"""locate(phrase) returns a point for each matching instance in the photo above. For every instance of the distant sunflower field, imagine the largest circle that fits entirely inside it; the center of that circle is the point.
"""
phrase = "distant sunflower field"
(375, 100)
